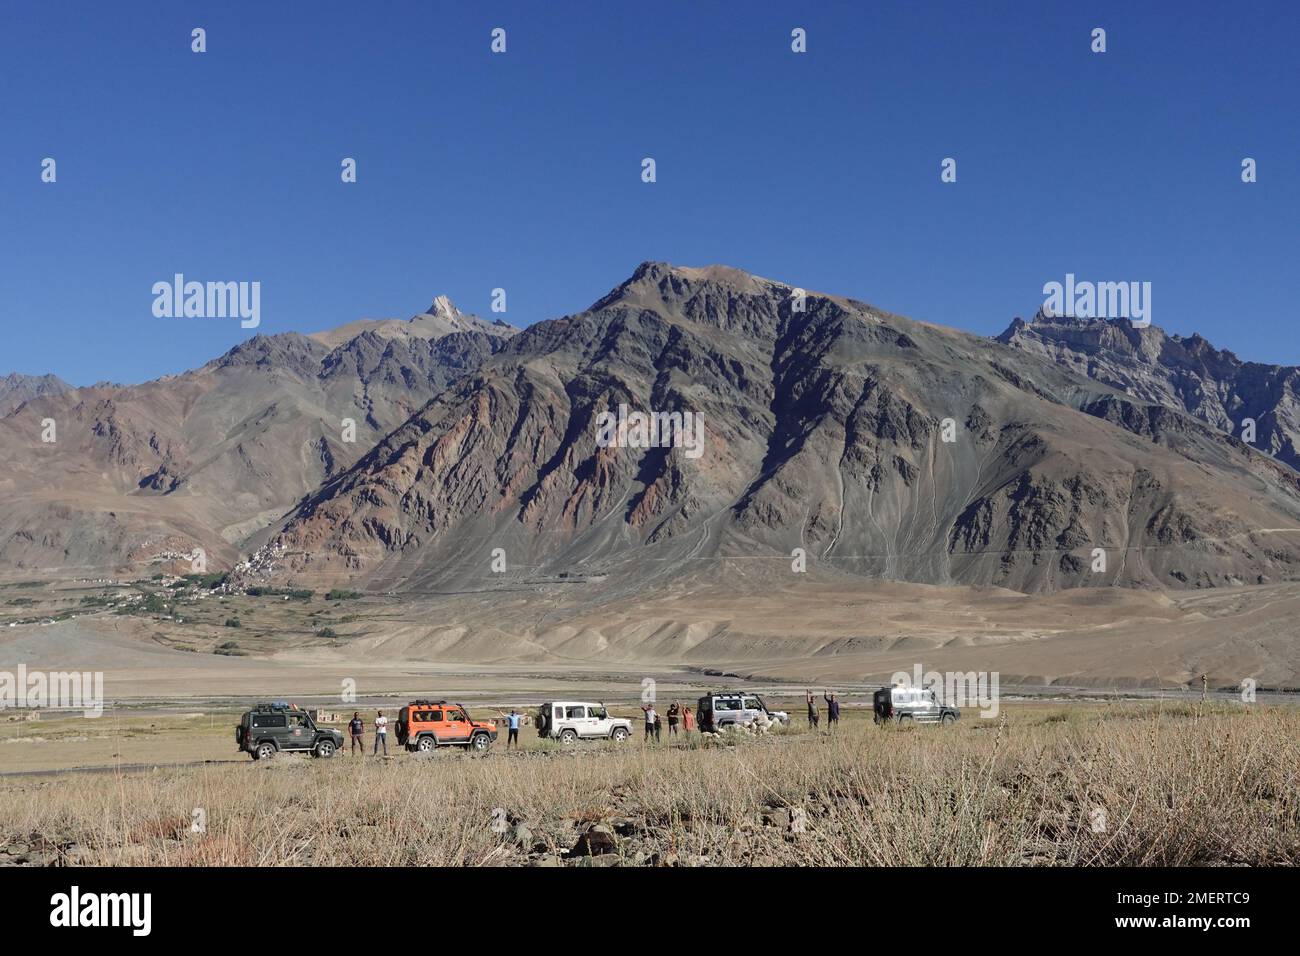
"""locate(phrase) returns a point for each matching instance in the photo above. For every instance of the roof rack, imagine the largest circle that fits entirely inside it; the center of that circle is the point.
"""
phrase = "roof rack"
(427, 703)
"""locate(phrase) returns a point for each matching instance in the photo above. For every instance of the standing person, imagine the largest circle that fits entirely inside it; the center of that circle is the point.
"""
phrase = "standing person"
(688, 721)
(357, 728)
(674, 712)
(512, 728)
(650, 718)
(381, 732)
(832, 710)
(812, 711)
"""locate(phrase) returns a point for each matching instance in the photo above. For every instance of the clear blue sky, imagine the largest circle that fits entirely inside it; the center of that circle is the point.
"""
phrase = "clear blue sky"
(523, 170)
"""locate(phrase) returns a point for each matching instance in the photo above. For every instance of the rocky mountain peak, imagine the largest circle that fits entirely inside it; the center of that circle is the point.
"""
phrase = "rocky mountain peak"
(443, 308)
(654, 283)
(16, 388)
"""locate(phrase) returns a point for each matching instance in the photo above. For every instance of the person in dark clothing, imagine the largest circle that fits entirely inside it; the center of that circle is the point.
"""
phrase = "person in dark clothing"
(832, 710)
(357, 728)
(674, 712)
(659, 728)
(812, 711)
(512, 729)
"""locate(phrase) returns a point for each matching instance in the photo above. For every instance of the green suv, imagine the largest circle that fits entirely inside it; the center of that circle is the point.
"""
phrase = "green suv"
(269, 729)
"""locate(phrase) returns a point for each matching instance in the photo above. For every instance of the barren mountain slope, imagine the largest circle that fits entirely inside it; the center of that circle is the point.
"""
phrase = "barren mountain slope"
(824, 430)
(1188, 374)
(211, 457)
(16, 389)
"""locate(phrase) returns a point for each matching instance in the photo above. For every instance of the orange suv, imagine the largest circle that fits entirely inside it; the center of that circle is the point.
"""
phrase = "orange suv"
(425, 725)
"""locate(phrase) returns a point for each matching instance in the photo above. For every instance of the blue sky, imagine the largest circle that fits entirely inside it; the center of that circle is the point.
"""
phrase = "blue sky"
(522, 170)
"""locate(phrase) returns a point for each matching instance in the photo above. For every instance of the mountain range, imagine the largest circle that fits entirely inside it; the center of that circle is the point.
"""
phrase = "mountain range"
(1064, 453)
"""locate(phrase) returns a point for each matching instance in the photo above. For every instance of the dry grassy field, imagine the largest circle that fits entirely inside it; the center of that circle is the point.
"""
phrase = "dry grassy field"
(1103, 784)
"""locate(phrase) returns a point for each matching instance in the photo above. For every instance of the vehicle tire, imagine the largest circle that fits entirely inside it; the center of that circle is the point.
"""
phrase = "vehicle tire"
(426, 745)
(324, 748)
(480, 743)
(619, 735)
(264, 751)
(947, 720)
(568, 737)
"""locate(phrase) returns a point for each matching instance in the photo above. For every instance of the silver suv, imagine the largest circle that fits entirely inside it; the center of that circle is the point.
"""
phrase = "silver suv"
(906, 705)
(719, 711)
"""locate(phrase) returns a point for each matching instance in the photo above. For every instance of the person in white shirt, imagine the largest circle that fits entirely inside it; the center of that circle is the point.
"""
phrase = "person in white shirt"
(381, 732)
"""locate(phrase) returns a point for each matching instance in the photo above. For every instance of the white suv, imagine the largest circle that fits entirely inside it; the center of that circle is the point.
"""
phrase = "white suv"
(720, 711)
(573, 720)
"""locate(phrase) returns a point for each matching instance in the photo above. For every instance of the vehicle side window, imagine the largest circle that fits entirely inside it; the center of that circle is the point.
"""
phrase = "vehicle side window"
(270, 720)
(751, 703)
(576, 712)
(598, 712)
(457, 715)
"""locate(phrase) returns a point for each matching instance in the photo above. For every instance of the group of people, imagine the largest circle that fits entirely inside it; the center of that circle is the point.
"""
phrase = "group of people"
(357, 730)
(677, 714)
(832, 710)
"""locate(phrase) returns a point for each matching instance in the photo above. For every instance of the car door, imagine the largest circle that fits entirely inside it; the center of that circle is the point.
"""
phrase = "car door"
(724, 711)
(752, 709)
(430, 722)
(598, 722)
(929, 712)
(457, 725)
(575, 716)
(273, 726)
(298, 732)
